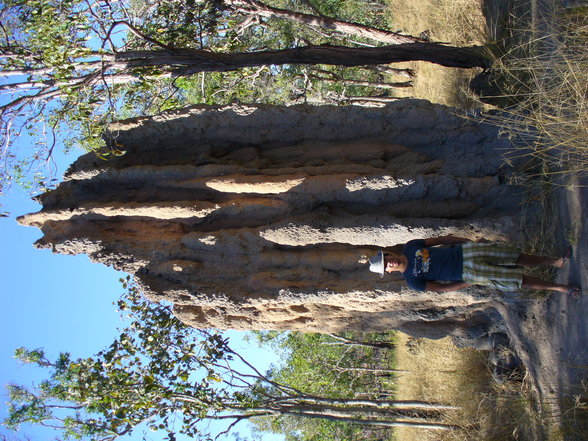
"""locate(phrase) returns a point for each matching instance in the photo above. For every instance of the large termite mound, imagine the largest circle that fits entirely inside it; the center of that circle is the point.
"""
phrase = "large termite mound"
(258, 217)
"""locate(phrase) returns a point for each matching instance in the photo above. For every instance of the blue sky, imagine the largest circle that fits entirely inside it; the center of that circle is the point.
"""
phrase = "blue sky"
(59, 303)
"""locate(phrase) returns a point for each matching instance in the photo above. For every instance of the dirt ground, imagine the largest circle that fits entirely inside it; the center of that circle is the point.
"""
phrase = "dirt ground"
(550, 334)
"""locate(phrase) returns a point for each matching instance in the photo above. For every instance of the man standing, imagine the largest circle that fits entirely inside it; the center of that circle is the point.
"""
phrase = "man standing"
(451, 263)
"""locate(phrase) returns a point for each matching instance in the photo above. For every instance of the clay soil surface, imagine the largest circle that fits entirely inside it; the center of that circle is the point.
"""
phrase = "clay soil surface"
(550, 334)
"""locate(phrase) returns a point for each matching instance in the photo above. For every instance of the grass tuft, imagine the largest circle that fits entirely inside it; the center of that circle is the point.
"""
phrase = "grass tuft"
(490, 410)
(543, 83)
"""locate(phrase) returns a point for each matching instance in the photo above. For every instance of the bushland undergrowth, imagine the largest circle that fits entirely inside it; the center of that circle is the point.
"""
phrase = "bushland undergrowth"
(541, 80)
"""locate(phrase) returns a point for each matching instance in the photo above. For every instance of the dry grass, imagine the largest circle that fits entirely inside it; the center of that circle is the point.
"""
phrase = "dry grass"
(575, 419)
(544, 80)
(458, 22)
(438, 18)
(439, 371)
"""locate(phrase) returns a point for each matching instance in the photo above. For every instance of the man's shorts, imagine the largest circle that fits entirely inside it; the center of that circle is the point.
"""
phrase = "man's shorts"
(492, 264)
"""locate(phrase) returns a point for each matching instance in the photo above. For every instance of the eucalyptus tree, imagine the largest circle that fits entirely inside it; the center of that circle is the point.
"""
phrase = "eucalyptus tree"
(71, 66)
(351, 365)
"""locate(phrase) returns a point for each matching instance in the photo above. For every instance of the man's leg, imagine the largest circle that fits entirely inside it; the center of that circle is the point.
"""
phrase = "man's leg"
(531, 260)
(530, 282)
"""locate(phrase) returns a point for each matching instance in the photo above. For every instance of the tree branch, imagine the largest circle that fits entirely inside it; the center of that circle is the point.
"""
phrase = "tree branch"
(138, 33)
(254, 7)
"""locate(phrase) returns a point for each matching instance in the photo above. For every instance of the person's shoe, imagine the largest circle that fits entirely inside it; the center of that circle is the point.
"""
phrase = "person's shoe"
(566, 257)
(575, 292)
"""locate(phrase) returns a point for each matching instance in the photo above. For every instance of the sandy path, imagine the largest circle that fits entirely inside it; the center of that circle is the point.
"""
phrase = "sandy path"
(551, 334)
(561, 331)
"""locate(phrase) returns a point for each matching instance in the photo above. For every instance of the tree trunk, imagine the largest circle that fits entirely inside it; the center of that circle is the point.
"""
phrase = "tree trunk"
(408, 73)
(368, 370)
(351, 403)
(118, 68)
(369, 101)
(421, 423)
(370, 344)
(368, 412)
(253, 7)
(185, 62)
(364, 414)
(374, 84)
(386, 423)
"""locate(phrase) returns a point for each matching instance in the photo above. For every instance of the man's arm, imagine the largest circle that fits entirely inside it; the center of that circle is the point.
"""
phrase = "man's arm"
(445, 287)
(444, 240)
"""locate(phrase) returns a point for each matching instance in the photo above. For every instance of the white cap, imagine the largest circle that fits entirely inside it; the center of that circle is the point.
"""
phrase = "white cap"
(377, 263)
